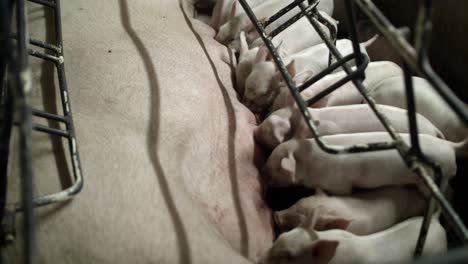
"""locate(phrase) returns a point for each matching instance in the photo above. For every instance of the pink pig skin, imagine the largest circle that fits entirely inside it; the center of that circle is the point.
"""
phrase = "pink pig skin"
(288, 123)
(302, 162)
(368, 211)
(393, 245)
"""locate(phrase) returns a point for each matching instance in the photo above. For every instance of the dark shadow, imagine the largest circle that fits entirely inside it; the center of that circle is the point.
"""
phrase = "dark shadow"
(232, 127)
(152, 136)
(49, 102)
(281, 198)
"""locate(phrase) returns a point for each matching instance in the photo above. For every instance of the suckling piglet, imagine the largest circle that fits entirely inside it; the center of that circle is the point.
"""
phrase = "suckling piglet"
(429, 103)
(367, 212)
(225, 9)
(394, 245)
(345, 95)
(390, 90)
(247, 59)
(288, 39)
(288, 122)
(315, 59)
(239, 20)
(263, 83)
(302, 162)
(260, 86)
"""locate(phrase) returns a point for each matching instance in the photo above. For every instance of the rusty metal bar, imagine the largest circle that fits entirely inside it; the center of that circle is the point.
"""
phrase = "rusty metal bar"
(412, 155)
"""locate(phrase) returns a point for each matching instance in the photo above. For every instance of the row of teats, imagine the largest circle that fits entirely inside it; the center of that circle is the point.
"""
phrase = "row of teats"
(368, 207)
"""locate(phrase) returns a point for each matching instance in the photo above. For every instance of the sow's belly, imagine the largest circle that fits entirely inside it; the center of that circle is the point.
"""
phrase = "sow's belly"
(169, 160)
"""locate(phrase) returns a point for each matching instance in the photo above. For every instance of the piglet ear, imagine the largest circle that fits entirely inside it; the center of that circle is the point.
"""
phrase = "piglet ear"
(291, 67)
(262, 54)
(244, 47)
(323, 251)
(325, 222)
(288, 165)
(309, 220)
(249, 27)
(233, 9)
(303, 76)
(318, 191)
(282, 52)
(281, 129)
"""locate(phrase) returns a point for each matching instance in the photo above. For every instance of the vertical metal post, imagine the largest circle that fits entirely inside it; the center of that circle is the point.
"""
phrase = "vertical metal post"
(415, 148)
(22, 98)
(351, 16)
(6, 104)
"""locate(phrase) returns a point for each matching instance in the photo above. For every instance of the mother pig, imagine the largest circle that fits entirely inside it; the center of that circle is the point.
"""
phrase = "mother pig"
(167, 150)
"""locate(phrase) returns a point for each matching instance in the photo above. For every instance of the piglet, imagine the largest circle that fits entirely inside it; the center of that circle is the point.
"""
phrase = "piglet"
(316, 58)
(264, 81)
(394, 245)
(236, 23)
(390, 90)
(247, 59)
(302, 162)
(288, 123)
(289, 38)
(239, 21)
(261, 86)
(345, 95)
(367, 211)
(226, 9)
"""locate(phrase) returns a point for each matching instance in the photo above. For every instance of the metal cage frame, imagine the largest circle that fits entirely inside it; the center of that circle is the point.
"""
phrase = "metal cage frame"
(16, 98)
(15, 95)
(415, 61)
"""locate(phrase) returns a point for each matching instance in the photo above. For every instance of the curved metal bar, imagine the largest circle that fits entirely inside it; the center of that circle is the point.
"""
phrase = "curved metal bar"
(22, 99)
(6, 102)
(325, 72)
(419, 65)
(355, 74)
(413, 157)
(290, 21)
(333, 149)
(69, 132)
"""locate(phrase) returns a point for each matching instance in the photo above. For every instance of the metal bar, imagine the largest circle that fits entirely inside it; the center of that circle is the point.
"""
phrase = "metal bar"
(69, 132)
(411, 111)
(41, 44)
(353, 32)
(431, 207)
(50, 116)
(358, 84)
(415, 63)
(284, 10)
(454, 256)
(45, 45)
(6, 102)
(289, 22)
(416, 165)
(331, 28)
(72, 144)
(5, 137)
(50, 4)
(420, 66)
(54, 59)
(333, 149)
(356, 74)
(447, 209)
(325, 72)
(23, 82)
(52, 131)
